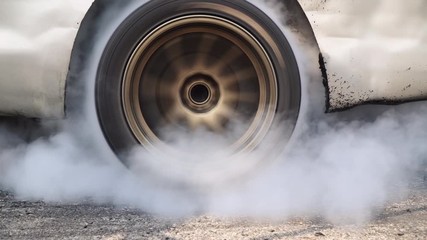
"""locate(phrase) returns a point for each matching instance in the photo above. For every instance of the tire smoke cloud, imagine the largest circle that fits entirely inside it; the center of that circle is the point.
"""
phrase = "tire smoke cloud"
(342, 167)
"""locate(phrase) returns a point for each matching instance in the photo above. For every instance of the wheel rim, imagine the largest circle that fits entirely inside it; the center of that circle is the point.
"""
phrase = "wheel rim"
(199, 72)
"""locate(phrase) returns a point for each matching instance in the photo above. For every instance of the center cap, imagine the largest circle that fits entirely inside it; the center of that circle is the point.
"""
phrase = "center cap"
(200, 93)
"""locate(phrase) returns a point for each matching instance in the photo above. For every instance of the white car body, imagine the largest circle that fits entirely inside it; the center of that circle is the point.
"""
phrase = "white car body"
(376, 50)
(37, 37)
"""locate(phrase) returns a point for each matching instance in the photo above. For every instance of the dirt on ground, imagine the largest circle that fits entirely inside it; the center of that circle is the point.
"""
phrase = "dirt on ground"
(20, 219)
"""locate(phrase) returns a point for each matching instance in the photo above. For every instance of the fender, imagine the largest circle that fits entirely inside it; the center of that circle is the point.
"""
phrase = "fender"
(375, 51)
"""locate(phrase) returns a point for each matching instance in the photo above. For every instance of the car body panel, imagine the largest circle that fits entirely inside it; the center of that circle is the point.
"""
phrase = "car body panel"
(375, 50)
(371, 55)
(36, 39)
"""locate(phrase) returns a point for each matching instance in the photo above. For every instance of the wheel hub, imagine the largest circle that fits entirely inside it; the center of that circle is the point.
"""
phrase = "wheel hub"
(200, 93)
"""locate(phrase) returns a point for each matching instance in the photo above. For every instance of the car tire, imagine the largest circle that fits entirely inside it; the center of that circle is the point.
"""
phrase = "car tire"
(129, 86)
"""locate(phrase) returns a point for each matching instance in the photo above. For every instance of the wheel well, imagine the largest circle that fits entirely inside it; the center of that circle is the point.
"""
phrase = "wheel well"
(83, 43)
(295, 19)
(298, 22)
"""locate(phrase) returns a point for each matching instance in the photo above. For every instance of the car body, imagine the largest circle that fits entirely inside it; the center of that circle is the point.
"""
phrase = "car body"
(37, 39)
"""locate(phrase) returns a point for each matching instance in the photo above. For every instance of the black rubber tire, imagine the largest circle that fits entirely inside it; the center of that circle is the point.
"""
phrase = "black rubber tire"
(147, 16)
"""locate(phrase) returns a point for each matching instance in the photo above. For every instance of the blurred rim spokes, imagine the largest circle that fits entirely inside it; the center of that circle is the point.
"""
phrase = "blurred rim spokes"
(228, 57)
(243, 97)
(241, 75)
(204, 73)
(205, 46)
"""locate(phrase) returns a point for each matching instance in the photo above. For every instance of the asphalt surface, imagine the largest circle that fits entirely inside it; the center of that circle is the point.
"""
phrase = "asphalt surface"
(20, 219)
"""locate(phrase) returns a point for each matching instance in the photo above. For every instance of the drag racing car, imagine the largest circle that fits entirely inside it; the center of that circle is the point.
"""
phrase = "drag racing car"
(139, 69)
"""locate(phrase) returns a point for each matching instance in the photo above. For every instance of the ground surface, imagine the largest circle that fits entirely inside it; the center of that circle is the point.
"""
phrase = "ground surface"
(19, 219)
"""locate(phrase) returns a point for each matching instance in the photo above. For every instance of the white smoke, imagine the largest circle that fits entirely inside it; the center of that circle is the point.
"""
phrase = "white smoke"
(339, 169)
(343, 171)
